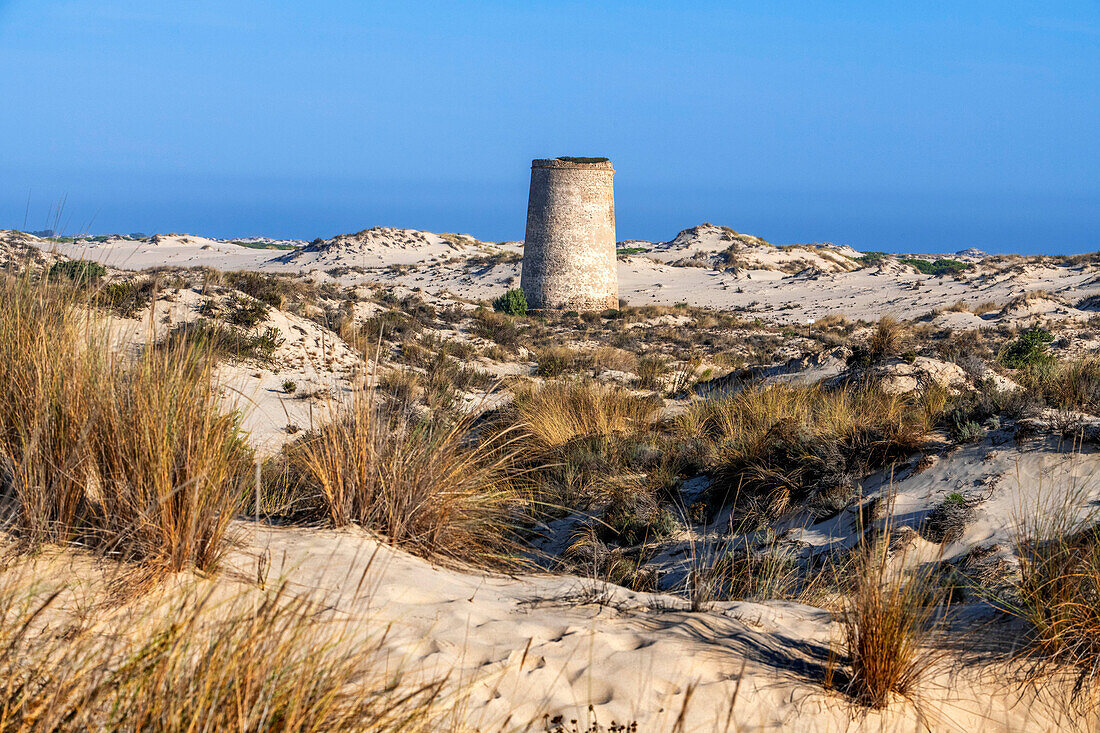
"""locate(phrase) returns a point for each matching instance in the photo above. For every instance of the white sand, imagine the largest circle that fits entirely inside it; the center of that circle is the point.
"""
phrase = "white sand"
(527, 646)
(777, 284)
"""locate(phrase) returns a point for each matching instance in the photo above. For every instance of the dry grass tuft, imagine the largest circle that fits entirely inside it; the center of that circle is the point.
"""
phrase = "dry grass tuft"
(887, 625)
(136, 458)
(429, 485)
(1058, 595)
(886, 339)
(558, 414)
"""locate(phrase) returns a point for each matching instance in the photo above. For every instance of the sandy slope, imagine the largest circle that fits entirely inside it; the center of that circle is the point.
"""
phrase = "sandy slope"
(527, 646)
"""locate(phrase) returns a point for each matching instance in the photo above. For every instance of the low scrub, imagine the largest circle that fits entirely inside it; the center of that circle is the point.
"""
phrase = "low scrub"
(77, 271)
(777, 445)
(126, 298)
(938, 268)
(223, 341)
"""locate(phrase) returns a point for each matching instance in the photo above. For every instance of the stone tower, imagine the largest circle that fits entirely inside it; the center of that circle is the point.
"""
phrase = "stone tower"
(569, 251)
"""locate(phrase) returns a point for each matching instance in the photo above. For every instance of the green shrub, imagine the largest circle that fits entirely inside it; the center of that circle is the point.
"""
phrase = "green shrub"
(939, 267)
(225, 342)
(126, 297)
(244, 312)
(871, 258)
(1029, 349)
(513, 303)
(79, 271)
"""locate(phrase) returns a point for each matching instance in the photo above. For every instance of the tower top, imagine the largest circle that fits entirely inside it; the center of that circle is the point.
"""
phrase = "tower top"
(568, 162)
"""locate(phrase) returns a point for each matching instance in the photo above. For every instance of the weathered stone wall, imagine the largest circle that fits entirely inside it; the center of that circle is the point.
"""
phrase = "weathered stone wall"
(569, 250)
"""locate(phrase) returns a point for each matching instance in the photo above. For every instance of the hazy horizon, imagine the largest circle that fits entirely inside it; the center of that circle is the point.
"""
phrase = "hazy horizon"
(919, 129)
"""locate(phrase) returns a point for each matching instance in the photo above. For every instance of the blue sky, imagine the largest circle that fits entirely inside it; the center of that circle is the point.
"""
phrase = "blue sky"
(903, 127)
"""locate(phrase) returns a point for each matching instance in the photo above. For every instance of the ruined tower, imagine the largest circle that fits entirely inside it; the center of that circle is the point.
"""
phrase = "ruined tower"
(569, 250)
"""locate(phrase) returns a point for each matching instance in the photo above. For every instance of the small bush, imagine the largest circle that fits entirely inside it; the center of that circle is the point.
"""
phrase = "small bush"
(512, 303)
(127, 297)
(246, 312)
(1028, 350)
(938, 268)
(273, 290)
(78, 271)
(223, 341)
(392, 325)
(948, 520)
(290, 386)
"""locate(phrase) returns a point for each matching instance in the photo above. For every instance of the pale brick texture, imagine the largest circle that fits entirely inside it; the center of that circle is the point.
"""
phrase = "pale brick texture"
(569, 250)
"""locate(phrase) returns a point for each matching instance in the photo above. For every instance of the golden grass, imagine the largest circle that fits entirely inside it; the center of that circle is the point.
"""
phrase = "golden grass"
(134, 457)
(1058, 595)
(886, 621)
(886, 339)
(1070, 385)
(783, 440)
(557, 414)
(426, 485)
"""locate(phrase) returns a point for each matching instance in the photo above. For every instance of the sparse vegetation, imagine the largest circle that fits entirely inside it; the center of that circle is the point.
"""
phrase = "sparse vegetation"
(603, 444)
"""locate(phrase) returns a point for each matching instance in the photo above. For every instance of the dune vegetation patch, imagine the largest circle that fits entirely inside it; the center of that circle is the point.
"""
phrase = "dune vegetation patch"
(772, 447)
(133, 457)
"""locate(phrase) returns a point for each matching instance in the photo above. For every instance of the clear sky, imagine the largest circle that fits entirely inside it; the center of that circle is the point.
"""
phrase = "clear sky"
(917, 126)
